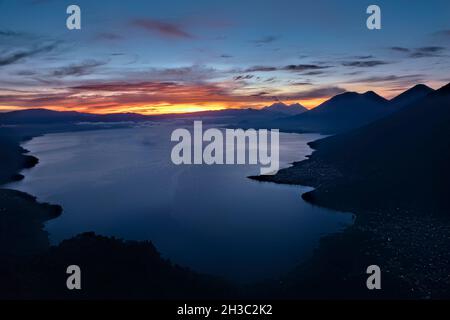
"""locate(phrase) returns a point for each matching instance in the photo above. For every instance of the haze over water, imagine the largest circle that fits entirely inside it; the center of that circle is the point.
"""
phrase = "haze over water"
(121, 182)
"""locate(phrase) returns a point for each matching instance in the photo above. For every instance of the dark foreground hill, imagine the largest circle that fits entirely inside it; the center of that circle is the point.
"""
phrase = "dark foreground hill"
(111, 268)
(404, 157)
(400, 160)
(394, 174)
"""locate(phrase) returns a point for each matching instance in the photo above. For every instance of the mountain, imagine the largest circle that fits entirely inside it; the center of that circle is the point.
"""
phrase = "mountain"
(293, 109)
(39, 116)
(341, 113)
(44, 116)
(47, 117)
(399, 161)
(409, 96)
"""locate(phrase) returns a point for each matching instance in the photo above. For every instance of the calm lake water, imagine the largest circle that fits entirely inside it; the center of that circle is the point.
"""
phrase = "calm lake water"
(121, 182)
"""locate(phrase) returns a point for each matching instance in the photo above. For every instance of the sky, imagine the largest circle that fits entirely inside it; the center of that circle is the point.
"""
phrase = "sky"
(172, 56)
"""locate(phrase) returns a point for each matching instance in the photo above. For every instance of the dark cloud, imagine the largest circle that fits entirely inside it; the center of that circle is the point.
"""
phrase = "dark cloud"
(442, 33)
(266, 40)
(260, 94)
(9, 33)
(301, 84)
(261, 69)
(291, 67)
(430, 49)
(363, 57)
(26, 73)
(364, 64)
(399, 49)
(162, 28)
(193, 73)
(389, 78)
(313, 73)
(313, 93)
(304, 67)
(243, 77)
(11, 58)
(422, 52)
(81, 69)
(226, 56)
(425, 52)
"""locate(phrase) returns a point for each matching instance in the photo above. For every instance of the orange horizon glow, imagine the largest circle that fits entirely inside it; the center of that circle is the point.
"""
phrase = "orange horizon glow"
(164, 109)
(184, 100)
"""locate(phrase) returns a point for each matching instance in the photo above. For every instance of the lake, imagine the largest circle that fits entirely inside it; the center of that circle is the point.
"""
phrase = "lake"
(121, 182)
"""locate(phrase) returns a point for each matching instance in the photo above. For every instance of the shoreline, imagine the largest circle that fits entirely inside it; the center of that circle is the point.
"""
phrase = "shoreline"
(396, 239)
(32, 268)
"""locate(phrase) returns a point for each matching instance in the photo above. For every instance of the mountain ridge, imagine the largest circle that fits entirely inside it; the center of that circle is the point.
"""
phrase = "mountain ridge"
(293, 109)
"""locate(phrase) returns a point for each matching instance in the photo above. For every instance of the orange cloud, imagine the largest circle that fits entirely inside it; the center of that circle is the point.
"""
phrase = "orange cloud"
(152, 98)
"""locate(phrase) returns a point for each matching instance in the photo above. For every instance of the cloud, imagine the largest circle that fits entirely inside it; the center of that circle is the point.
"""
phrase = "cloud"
(243, 77)
(422, 52)
(26, 73)
(119, 96)
(162, 28)
(390, 78)
(442, 33)
(313, 73)
(291, 67)
(316, 93)
(301, 84)
(9, 33)
(313, 93)
(261, 69)
(400, 49)
(193, 73)
(304, 67)
(11, 58)
(111, 97)
(261, 94)
(266, 40)
(430, 49)
(425, 52)
(188, 74)
(81, 69)
(364, 64)
(364, 57)
(226, 56)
